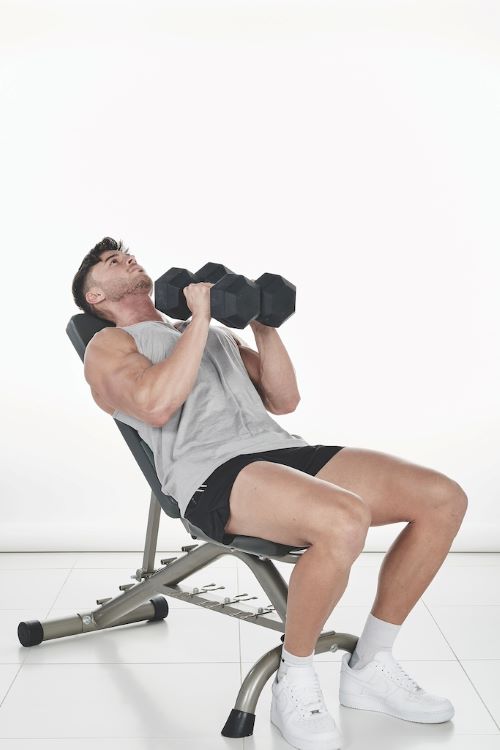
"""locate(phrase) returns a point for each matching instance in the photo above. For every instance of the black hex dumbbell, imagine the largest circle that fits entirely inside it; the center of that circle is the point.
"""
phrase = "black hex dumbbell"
(277, 295)
(234, 299)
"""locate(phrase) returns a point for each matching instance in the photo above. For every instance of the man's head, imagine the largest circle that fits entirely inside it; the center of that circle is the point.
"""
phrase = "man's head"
(110, 284)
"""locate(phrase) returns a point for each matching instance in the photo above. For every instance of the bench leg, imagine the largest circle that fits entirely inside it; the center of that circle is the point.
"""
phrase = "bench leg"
(241, 720)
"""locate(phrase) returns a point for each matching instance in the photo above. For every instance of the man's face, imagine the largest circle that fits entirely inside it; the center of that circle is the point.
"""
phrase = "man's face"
(116, 275)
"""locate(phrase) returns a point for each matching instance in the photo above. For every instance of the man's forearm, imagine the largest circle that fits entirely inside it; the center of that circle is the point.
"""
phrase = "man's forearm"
(277, 375)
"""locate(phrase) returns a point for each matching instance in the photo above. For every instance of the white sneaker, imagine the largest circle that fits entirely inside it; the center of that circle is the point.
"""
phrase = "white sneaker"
(298, 710)
(383, 685)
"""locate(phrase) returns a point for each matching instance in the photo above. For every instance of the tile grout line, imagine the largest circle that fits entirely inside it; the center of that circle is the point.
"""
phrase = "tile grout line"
(70, 571)
(462, 667)
(23, 662)
(10, 686)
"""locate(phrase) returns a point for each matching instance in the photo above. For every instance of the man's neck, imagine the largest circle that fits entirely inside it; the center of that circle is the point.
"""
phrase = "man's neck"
(139, 315)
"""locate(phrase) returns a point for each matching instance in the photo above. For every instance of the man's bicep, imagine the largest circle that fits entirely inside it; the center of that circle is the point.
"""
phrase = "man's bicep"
(251, 360)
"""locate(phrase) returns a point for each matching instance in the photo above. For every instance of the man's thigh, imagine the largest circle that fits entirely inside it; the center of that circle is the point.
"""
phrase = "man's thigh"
(280, 503)
(393, 488)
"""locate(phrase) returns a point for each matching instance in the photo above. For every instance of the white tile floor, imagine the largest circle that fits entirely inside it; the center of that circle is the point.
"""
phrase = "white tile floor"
(171, 684)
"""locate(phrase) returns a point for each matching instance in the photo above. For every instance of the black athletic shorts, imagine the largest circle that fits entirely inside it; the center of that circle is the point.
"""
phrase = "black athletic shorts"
(208, 509)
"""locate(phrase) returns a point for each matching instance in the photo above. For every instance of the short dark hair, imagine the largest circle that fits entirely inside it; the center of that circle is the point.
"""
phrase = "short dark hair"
(83, 277)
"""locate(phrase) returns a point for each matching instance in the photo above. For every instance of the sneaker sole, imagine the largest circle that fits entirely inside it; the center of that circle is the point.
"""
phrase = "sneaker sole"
(371, 703)
(330, 743)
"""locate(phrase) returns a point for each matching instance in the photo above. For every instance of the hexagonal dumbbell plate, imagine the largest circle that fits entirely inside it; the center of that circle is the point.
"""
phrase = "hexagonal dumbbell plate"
(277, 302)
(212, 272)
(169, 294)
(235, 300)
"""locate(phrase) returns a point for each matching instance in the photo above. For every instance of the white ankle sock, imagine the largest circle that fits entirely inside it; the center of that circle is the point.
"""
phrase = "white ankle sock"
(377, 635)
(291, 664)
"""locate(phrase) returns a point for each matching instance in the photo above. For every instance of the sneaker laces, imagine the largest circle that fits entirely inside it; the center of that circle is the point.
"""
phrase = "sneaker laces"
(403, 677)
(307, 690)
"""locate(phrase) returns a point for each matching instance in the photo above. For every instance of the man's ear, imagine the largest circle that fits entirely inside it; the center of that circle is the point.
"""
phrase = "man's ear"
(95, 296)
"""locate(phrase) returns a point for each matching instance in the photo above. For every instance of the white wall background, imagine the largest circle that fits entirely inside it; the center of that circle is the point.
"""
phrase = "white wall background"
(350, 146)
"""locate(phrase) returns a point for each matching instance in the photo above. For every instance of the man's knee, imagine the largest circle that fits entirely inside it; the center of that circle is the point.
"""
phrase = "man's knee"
(449, 499)
(357, 524)
(345, 525)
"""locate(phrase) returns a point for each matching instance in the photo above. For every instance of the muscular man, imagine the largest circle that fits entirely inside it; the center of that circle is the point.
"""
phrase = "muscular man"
(202, 399)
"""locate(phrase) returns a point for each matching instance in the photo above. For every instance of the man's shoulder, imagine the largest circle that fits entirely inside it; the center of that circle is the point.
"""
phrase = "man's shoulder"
(106, 345)
(110, 336)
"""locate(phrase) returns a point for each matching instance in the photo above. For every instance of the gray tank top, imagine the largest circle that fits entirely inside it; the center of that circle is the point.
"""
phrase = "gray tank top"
(222, 416)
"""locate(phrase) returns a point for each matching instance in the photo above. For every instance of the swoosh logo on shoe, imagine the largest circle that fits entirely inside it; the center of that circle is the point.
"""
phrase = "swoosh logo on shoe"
(381, 687)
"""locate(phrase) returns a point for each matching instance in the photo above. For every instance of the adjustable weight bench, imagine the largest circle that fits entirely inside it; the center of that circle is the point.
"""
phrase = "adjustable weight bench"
(143, 600)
